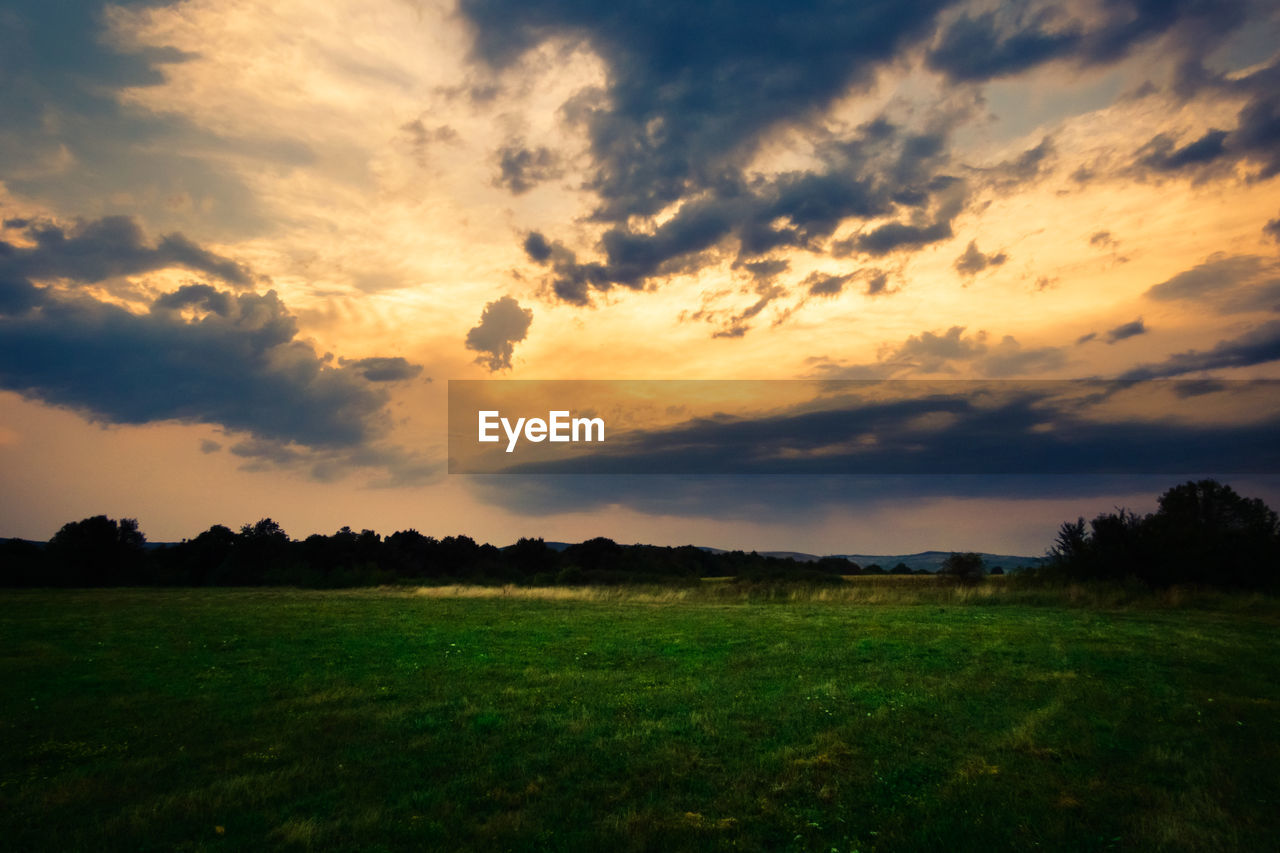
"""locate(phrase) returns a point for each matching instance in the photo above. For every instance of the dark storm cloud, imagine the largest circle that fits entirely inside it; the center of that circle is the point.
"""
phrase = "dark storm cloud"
(770, 498)
(569, 280)
(1255, 140)
(382, 368)
(1018, 37)
(1257, 346)
(974, 48)
(767, 269)
(503, 324)
(949, 193)
(537, 247)
(520, 169)
(1162, 154)
(954, 428)
(1272, 229)
(1021, 36)
(1228, 284)
(99, 249)
(197, 354)
(240, 365)
(691, 93)
(1126, 331)
(202, 296)
(973, 261)
(895, 235)
(690, 89)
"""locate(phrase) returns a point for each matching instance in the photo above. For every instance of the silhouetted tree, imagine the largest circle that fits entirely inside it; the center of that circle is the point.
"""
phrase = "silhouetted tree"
(23, 563)
(204, 558)
(966, 567)
(1203, 533)
(530, 557)
(1207, 533)
(259, 549)
(97, 551)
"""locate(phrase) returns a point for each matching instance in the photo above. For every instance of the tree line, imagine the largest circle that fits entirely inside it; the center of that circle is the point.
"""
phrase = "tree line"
(1203, 533)
(101, 551)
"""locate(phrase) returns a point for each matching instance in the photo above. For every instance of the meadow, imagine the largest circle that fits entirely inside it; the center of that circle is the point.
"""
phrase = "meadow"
(880, 715)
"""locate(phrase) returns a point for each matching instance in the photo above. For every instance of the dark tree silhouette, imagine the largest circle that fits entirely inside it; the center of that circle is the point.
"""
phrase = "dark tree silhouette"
(97, 551)
(1209, 534)
(965, 568)
(1203, 533)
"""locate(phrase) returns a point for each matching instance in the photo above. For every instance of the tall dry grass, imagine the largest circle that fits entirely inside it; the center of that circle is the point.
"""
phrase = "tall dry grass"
(890, 590)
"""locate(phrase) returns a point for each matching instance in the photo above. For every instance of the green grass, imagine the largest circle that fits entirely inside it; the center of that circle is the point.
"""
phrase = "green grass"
(552, 720)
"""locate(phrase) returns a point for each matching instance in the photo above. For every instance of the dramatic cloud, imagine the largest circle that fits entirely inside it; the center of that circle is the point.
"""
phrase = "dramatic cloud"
(797, 499)
(690, 93)
(974, 48)
(1255, 140)
(237, 363)
(1228, 284)
(973, 261)
(1018, 37)
(503, 324)
(1162, 154)
(196, 354)
(97, 250)
(1126, 330)
(957, 428)
(1272, 229)
(1258, 346)
(689, 98)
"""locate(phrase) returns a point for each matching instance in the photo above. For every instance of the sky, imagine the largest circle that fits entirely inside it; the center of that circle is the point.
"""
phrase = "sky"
(247, 245)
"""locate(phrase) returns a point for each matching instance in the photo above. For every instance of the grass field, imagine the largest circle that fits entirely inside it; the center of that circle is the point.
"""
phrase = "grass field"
(561, 720)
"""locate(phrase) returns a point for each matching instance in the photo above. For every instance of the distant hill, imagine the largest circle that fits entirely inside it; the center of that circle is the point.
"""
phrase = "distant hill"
(930, 561)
